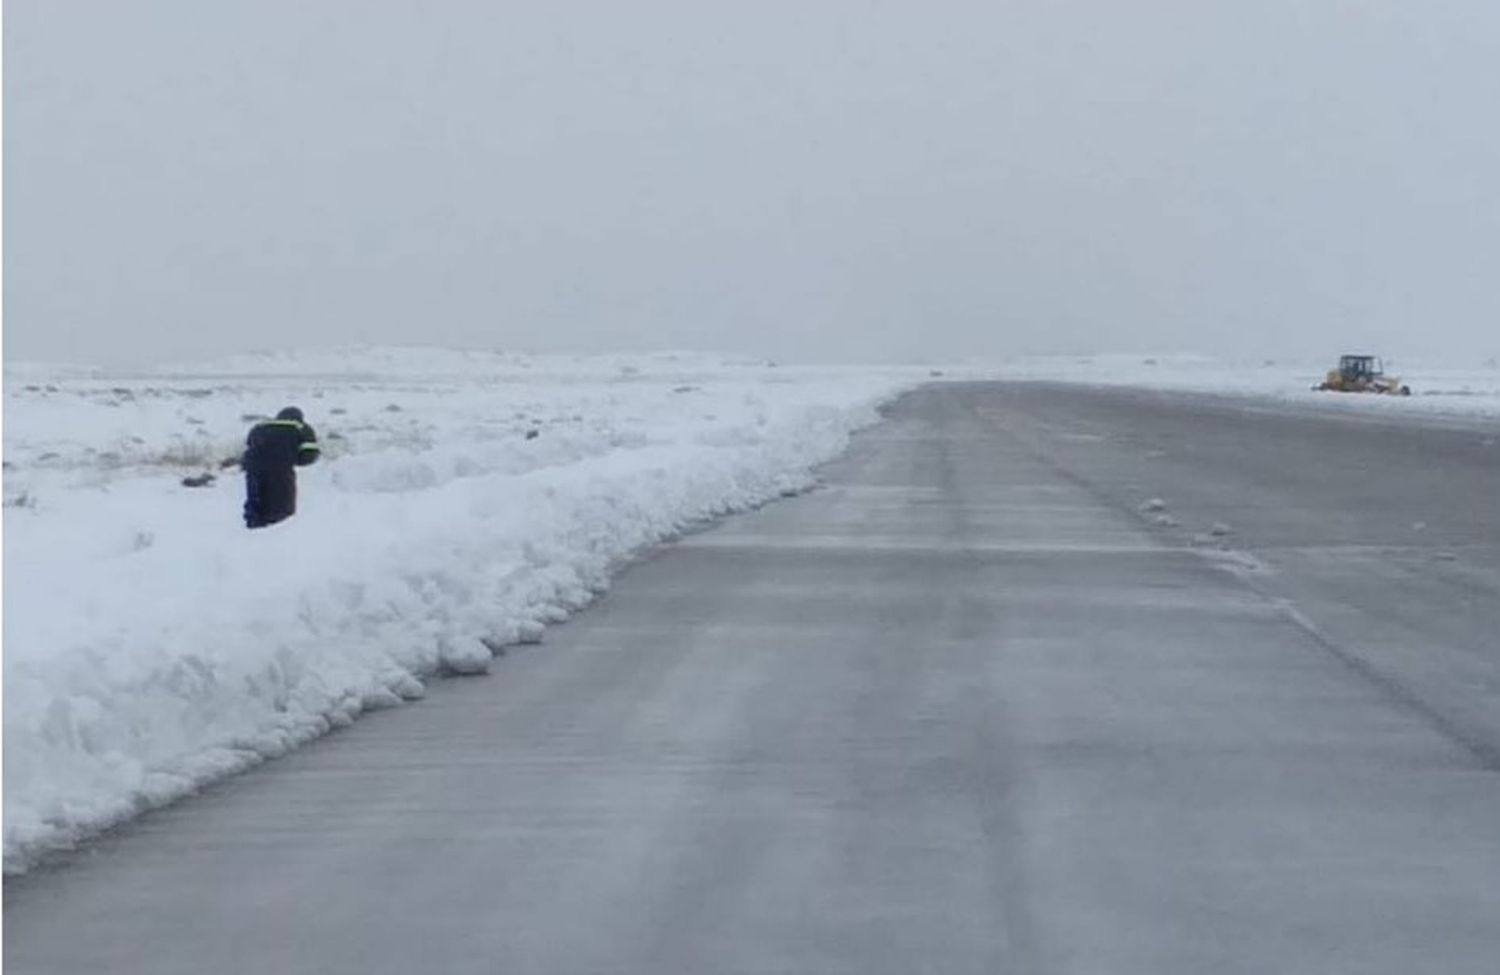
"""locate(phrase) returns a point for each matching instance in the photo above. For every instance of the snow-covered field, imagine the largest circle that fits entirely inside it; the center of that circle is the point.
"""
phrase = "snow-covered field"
(1437, 389)
(465, 500)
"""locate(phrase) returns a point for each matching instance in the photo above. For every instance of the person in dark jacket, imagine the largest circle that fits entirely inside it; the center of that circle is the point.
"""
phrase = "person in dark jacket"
(273, 452)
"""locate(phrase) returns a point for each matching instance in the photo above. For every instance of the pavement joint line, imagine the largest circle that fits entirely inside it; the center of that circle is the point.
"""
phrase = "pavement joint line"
(809, 543)
(1486, 755)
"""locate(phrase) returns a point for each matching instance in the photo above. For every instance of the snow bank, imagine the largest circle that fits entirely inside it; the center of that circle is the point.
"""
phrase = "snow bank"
(153, 645)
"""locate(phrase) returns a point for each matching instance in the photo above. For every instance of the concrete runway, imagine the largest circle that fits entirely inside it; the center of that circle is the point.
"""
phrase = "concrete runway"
(975, 706)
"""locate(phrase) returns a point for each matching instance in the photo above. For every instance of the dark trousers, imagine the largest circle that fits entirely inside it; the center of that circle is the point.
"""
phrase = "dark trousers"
(270, 496)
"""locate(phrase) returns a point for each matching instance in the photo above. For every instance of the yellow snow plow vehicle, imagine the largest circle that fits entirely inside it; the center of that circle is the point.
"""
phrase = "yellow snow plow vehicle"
(1362, 374)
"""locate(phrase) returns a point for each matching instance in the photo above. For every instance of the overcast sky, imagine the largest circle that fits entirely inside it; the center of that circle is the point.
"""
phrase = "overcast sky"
(819, 179)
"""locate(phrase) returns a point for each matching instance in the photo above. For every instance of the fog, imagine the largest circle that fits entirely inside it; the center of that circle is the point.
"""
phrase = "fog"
(830, 180)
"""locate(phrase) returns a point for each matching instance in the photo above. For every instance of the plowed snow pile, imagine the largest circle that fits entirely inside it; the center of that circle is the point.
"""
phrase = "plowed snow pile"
(464, 501)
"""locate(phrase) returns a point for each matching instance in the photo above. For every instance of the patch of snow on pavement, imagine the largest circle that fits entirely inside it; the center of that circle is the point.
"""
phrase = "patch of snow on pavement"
(465, 501)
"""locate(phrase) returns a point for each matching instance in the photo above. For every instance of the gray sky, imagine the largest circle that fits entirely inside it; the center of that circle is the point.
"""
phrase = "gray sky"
(805, 180)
